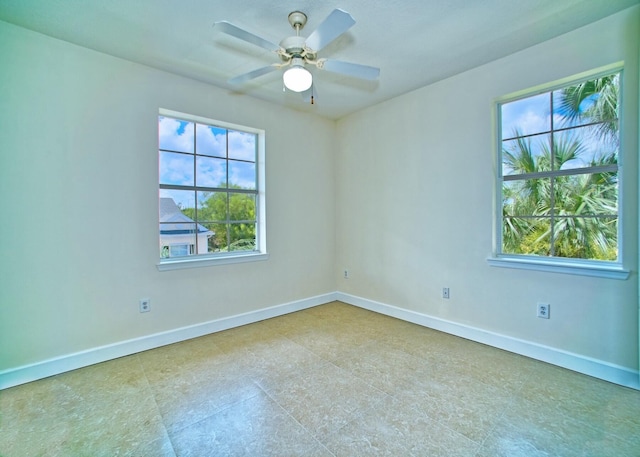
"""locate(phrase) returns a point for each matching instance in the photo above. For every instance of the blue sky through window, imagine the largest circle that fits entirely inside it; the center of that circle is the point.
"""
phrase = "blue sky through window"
(211, 145)
(531, 117)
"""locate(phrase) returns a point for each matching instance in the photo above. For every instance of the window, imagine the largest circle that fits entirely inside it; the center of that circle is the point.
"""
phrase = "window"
(559, 174)
(177, 250)
(211, 195)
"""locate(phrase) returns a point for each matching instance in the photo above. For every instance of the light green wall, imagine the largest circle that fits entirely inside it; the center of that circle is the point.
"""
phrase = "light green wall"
(78, 187)
(415, 192)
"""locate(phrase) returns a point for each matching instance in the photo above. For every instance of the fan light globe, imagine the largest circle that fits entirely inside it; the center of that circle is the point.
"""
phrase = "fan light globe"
(297, 78)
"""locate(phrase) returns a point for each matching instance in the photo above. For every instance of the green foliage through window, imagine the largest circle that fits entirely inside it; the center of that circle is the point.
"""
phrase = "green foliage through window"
(560, 184)
(208, 188)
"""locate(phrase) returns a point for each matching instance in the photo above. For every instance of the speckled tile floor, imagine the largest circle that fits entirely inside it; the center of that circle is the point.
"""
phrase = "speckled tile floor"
(334, 380)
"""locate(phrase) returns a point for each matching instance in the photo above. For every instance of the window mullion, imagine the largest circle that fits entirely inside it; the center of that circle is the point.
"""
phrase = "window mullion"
(228, 218)
(552, 202)
(568, 172)
(552, 195)
(195, 185)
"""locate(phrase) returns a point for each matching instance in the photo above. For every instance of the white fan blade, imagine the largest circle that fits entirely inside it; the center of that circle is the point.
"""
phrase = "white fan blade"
(332, 27)
(349, 69)
(249, 37)
(253, 74)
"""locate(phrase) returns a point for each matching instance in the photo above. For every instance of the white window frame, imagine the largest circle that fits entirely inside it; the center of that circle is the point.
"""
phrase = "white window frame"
(261, 253)
(597, 268)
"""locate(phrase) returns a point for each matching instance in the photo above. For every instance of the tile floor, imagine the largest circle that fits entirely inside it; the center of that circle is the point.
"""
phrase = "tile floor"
(334, 380)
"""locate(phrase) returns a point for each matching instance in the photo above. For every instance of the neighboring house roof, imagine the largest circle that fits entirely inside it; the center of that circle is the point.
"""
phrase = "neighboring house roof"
(174, 222)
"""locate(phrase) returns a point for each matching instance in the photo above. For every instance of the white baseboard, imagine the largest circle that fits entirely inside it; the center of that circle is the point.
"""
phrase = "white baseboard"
(592, 367)
(575, 362)
(51, 367)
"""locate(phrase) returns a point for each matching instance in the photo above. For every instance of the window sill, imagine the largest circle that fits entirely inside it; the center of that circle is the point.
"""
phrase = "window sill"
(614, 271)
(191, 262)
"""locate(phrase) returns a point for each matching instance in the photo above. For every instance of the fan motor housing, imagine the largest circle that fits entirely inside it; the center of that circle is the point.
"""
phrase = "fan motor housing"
(295, 46)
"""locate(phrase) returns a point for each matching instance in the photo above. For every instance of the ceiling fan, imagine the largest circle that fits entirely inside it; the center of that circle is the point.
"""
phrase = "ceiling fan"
(297, 52)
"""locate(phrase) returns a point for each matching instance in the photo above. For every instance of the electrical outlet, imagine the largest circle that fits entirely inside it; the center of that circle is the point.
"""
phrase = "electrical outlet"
(346, 274)
(544, 309)
(145, 305)
(445, 292)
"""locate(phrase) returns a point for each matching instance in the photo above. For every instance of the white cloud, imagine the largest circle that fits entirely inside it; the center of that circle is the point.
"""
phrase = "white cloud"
(242, 174)
(211, 172)
(242, 145)
(176, 169)
(529, 115)
(210, 140)
(175, 135)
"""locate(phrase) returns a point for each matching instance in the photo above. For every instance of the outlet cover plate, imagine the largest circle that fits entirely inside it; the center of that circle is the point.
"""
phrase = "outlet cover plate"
(544, 309)
(145, 305)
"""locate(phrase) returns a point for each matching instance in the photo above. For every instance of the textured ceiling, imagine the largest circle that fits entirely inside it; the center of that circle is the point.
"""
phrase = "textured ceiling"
(413, 42)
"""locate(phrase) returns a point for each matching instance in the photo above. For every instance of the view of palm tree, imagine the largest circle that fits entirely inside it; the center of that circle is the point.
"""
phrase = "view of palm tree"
(560, 176)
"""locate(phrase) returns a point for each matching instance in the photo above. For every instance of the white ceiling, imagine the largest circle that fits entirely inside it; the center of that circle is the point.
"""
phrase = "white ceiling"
(413, 42)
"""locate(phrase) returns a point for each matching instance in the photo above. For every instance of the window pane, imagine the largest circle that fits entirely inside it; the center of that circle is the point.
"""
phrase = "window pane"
(177, 227)
(175, 135)
(207, 238)
(219, 242)
(527, 197)
(586, 238)
(570, 150)
(595, 100)
(586, 194)
(172, 201)
(526, 155)
(526, 236)
(211, 141)
(527, 116)
(203, 234)
(243, 237)
(178, 250)
(176, 239)
(242, 207)
(565, 113)
(176, 169)
(584, 147)
(242, 175)
(242, 145)
(212, 206)
(211, 172)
